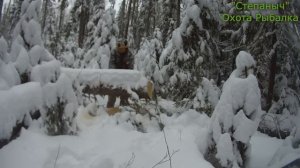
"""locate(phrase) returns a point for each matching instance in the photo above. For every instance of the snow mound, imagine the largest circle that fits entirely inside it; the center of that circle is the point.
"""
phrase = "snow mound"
(110, 144)
(16, 103)
(33, 33)
(46, 72)
(38, 54)
(23, 62)
(8, 76)
(16, 47)
(62, 89)
(285, 154)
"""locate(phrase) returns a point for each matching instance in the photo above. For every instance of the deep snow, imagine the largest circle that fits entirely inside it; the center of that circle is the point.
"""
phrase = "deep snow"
(104, 143)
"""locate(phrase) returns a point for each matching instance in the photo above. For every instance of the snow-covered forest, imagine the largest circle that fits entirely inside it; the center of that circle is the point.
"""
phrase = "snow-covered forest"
(147, 84)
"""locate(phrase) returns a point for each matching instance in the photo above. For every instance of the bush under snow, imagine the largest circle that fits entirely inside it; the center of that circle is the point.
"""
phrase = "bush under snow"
(16, 104)
(236, 116)
(43, 90)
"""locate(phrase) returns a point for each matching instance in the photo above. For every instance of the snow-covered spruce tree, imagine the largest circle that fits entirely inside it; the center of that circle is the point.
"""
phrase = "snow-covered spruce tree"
(71, 55)
(61, 107)
(8, 73)
(121, 18)
(98, 55)
(134, 23)
(97, 13)
(207, 97)
(72, 21)
(50, 28)
(15, 13)
(168, 21)
(35, 64)
(190, 53)
(279, 121)
(285, 100)
(143, 23)
(236, 116)
(27, 35)
(146, 60)
(261, 40)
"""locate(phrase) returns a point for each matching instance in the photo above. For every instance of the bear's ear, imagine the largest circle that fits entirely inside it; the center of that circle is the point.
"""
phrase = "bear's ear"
(119, 45)
(125, 42)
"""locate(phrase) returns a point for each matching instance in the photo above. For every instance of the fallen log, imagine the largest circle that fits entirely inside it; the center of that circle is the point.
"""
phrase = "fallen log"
(114, 82)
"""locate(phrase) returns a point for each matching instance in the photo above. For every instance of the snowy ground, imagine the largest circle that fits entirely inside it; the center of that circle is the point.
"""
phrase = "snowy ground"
(104, 143)
(263, 148)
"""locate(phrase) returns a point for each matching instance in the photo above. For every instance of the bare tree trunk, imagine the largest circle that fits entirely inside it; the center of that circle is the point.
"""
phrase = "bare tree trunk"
(128, 18)
(148, 19)
(133, 11)
(172, 8)
(1, 6)
(84, 16)
(178, 13)
(135, 16)
(8, 8)
(62, 13)
(4, 29)
(45, 14)
(155, 11)
(167, 27)
(273, 68)
(60, 23)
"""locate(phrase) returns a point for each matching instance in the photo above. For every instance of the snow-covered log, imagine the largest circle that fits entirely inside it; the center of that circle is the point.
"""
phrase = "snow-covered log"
(112, 82)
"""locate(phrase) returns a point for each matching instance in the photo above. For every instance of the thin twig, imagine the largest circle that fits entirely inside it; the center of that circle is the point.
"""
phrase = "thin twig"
(161, 161)
(164, 159)
(130, 161)
(168, 154)
(168, 150)
(57, 155)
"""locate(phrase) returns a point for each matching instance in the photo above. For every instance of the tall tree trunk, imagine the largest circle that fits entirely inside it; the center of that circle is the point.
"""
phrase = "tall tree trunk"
(62, 13)
(128, 18)
(154, 14)
(8, 9)
(4, 28)
(1, 6)
(60, 23)
(84, 17)
(45, 14)
(172, 8)
(273, 68)
(168, 16)
(133, 11)
(148, 19)
(16, 14)
(134, 21)
(178, 13)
